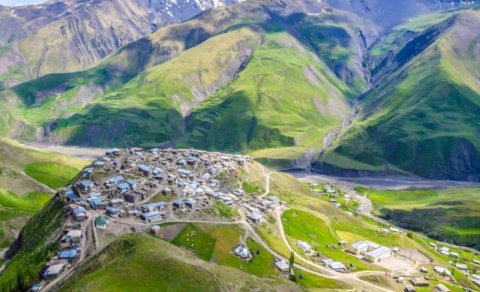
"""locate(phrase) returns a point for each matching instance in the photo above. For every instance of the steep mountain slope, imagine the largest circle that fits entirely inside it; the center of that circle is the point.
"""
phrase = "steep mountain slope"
(388, 14)
(421, 114)
(286, 70)
(75, 35)
(27, 176)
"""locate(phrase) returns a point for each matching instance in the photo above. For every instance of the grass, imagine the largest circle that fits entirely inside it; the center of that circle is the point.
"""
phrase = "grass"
(300, 225)
(29, 204)
(415, 119)
(51, 174)
(456, 211)
(34, 248)
(197, 240)
(314, 282)
(140, 263)
(219, 209)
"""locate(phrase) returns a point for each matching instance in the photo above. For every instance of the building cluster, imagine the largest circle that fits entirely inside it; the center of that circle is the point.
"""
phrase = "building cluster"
(152, 185)
(370, 251)
(145, 185)
(463, 267)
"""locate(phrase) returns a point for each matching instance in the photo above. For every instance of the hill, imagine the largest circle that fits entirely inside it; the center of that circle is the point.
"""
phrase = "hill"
(192, 243)
(419, 115)
(28, 180)
(168, 95)
(69, 36)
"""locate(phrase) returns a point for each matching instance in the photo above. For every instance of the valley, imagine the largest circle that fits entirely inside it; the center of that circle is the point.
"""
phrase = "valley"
(96, 218)
(303, 145)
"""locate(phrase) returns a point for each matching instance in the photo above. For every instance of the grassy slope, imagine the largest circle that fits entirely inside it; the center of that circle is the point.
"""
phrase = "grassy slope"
(34, 247)
(296, 105)
(309, 207)
(141, 262)
(27, 179)
(456, 212)
(421, 119)
(105, 104)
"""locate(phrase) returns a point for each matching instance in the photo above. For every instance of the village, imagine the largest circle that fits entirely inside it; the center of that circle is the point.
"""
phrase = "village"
(144, 189)
(147, 188)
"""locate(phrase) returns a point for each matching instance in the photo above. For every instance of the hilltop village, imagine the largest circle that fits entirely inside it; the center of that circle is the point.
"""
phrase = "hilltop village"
(148, 189)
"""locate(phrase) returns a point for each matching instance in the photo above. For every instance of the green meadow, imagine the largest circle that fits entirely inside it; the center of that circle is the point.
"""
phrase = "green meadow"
(449, 214)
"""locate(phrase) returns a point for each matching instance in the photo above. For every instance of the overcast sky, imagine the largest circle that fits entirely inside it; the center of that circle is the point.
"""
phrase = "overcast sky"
(19, 2)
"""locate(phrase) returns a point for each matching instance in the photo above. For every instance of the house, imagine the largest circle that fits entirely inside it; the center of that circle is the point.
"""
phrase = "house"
(304, 246)
(191, 160)
(113, 152)
(113, 181)
(439, 270)
(98, 164)
(419, 281)
(282, 266)
(132, 183)
(132, 197)
(117, 202)
(153, 206)
(255, 216)
(53, 271)
(181, 162)
(155, 229)
(337, 266)
(242, 252)
(123, 188)
(80, 214)
(378, 254)
(86, 185)
(101, 222)
(134, 213)
(167, 191)
(274, 199)
(153, 216)
(462, 267)
(441, 288)
(158, 173)
(409, 288)
(96, 203)
(68, 255)
(144, 169)
(36, 287)
(114, 212)
(178, 204)
(73, 236)
(361, 247)
(190, 203)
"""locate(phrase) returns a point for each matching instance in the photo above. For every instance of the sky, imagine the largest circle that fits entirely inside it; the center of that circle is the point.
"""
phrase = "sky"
(19, 2)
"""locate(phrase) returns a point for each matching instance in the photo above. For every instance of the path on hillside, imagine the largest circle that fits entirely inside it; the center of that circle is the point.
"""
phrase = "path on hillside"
(267, 182)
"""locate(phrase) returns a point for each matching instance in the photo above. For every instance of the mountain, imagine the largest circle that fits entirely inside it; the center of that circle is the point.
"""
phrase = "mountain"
(388, 14)
(67, 36)
(419, 116)
(268, 62)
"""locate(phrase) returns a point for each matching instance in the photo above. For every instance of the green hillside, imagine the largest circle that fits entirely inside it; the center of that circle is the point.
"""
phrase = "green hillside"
(456, 212)
(288, 76)
(421, 115)
(28, 179)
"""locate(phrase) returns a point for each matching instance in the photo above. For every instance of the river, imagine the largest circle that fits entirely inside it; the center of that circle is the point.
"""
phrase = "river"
(386, 183)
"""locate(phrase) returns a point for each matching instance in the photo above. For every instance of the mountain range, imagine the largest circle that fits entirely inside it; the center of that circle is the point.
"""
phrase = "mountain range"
(343, 87)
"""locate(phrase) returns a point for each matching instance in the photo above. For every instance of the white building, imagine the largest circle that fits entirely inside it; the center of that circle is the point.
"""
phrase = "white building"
(378, 254)
(304, 246)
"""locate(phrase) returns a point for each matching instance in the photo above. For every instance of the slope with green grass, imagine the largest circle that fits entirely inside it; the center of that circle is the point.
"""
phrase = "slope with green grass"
(450, 215)
(285, 81)
(420, 115)
(141, 262)
(28, 179)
